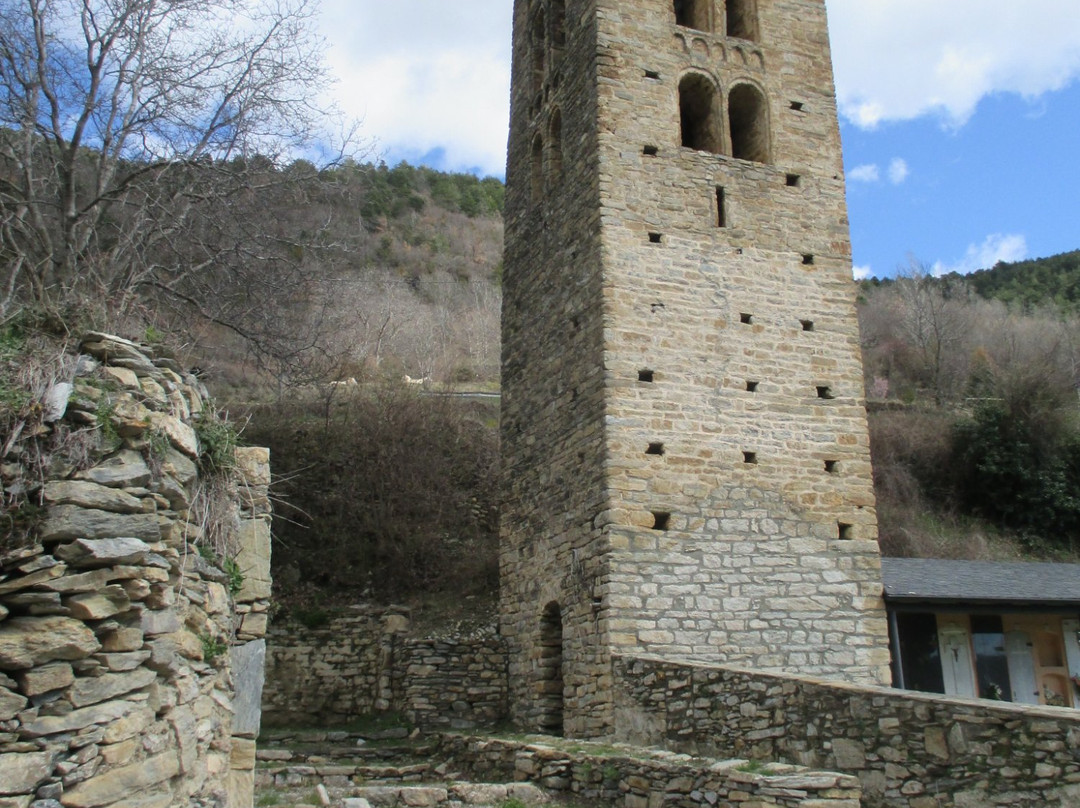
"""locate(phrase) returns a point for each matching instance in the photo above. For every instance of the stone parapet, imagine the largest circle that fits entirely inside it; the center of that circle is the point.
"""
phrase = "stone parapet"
(909, 750)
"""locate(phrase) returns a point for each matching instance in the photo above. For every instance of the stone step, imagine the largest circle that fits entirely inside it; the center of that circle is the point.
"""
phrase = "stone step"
(475, 795)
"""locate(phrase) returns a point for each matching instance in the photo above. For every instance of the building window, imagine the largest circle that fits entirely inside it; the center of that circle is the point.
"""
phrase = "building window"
(699, 113)
(748, 116)
(537, 167)
(693, 14)
(741, 19)
(558, 23)
(555, 135)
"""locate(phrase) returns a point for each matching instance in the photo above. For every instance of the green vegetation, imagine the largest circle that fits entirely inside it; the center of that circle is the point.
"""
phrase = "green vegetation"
(212, 647)
(235, 574)
(975, 421)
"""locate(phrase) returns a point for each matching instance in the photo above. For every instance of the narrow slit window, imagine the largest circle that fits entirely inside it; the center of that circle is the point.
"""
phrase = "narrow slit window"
(746, 319)
(656, 238)
(752, 387)
(825, 392)
(661, 520)
(650, 151)
(721, 213)
(558, 23)
(555, 147)
(656, 449)
(807, 259)
(652, 74)
(832, 466)
(537, 169)
(807, 325)
(750, 458)
(845, 532)
(797, 106)
(793, 180)
(646, 376)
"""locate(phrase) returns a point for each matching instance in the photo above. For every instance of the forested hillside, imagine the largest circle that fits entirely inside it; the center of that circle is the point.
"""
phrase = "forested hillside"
(974, 412)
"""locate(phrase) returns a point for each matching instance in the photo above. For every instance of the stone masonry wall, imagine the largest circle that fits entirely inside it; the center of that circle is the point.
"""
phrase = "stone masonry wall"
(687, 457)
(361, 664)
(130, 655)
(634, 778)
(909, 750)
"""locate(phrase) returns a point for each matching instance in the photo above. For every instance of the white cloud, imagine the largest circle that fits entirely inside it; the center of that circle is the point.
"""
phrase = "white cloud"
(898, 171)
(425, 76)
(864, 173)
(902, 59)
(860, 273)
(996, 247)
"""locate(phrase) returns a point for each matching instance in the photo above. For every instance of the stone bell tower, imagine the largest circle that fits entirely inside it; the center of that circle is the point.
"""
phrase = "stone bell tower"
(687, 468)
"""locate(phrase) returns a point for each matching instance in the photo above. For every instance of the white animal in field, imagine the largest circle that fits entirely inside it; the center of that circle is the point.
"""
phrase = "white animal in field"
(349, 382)
(410, 380)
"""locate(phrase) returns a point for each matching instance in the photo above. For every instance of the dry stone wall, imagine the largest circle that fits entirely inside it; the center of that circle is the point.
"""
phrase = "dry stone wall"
(909, 750)
(634, 778)
(364, 663)
(130, 652)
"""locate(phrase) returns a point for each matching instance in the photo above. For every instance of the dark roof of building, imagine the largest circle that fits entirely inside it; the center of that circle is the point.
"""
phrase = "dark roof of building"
(909, 580)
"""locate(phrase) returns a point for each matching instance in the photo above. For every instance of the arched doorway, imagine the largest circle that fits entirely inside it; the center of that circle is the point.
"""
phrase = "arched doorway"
(550, 672)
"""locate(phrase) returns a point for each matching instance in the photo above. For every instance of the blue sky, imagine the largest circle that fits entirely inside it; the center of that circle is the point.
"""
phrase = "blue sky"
(960, 118)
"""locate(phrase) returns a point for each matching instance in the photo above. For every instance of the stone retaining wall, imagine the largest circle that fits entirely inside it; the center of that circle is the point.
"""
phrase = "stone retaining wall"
(363, 663)
(130, 653)
(909, 750)
(595, 774)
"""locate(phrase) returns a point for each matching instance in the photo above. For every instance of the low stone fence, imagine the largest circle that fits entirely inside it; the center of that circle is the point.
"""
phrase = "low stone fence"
(131, 662)
(362, 663)
(909, 750)
(595, 774)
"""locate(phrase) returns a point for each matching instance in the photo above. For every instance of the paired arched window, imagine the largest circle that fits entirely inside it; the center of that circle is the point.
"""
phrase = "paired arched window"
(701, 121)
(699, 114)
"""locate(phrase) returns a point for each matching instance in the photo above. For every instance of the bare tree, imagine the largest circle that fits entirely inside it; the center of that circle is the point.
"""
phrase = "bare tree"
(137, 140)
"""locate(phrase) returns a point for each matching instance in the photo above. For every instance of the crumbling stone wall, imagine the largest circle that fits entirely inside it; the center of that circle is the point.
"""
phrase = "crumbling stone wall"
(364, 663)
(131, 662)
(910, 750)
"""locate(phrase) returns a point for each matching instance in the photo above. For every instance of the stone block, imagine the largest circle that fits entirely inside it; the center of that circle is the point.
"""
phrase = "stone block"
(29, 641)
(10, 704)
(253, 559)
(87, 690)
(87, 494)
(248, 663)
(23, 773)
(45, 678)
(65, 522)
(77, 720)
(126, 469)
(114, 785)
(105, 552)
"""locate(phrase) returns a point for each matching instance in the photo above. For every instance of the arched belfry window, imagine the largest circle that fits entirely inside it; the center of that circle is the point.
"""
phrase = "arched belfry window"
(748, 122)
(537, 169)
(741, 16)
(558, 23)
(699, 113)
(694, 14)
(549, 684)
(555, 147)
(539, 51)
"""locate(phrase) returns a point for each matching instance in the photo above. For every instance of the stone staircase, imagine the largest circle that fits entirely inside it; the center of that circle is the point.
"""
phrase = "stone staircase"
(382, 769)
